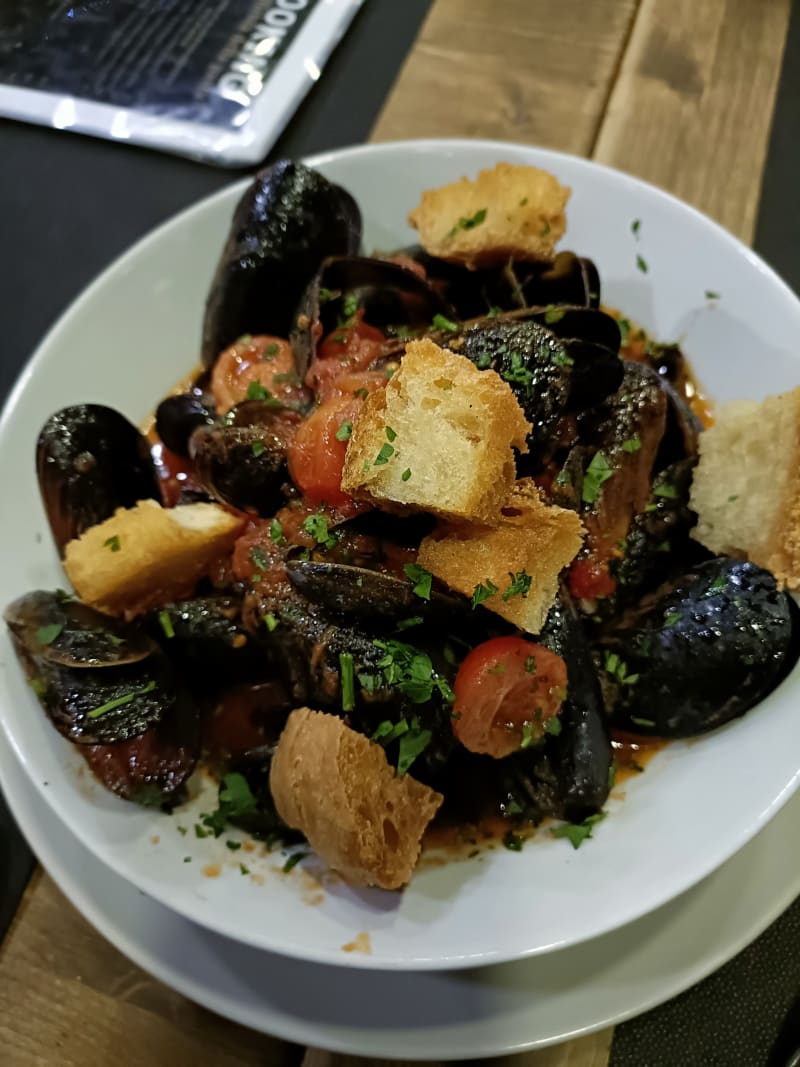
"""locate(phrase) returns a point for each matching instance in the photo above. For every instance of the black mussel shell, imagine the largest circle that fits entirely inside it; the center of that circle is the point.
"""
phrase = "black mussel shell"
(153, 769)
(680, 440)
(349, 590)
(394, 298)
(244, 466)
(288, 221)
(259, 819)
(178, 417)
(98, 681)
(701, 651)
(90, 461)
(207, 641)
(60, 630)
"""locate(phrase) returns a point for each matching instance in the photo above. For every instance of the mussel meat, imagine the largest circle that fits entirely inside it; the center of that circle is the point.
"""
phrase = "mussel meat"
(288, 221)
(700, 651)
(99, 680)
(90, 461)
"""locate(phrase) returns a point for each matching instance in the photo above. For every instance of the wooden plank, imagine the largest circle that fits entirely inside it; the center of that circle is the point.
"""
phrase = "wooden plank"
(591, 1051)
(692, 107)
(523, 70)
(68, 997)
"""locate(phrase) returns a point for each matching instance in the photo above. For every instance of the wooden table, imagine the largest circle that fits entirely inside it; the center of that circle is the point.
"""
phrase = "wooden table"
(679, 92)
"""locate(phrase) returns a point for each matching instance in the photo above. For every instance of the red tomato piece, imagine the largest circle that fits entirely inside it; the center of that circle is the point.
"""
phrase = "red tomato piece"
(507, 692)
(264, 361)
(316, 455)
(589, 579)
(346, 350)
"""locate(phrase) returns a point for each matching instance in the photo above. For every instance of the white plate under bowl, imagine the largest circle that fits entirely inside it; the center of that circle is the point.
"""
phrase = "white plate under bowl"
(135, 332)
(447, 1015)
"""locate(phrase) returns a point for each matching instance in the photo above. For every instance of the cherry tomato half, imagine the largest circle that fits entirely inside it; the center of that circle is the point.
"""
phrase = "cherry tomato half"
(345, 351)
(507, 691)
(316, 455)
(589, 579)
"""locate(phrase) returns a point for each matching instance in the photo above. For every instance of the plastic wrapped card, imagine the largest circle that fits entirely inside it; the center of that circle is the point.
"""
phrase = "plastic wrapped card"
(213, 79)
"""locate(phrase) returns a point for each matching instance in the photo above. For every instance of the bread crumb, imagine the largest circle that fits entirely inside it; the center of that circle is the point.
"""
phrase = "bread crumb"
(361, 943)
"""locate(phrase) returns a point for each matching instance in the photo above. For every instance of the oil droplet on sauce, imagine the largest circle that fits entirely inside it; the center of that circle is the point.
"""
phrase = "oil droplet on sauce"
(361, 943)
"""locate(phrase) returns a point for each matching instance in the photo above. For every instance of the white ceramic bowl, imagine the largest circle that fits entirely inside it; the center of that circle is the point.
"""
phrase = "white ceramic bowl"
(135, 332)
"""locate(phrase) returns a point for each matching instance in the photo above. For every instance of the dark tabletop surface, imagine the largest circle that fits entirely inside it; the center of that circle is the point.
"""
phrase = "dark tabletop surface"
(54, 187)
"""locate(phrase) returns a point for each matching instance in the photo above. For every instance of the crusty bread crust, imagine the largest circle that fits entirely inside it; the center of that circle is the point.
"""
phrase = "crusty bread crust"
(524, 217)
(337, 788)
(147, 555)
(531, 536)
(746, 486)
(450, 426)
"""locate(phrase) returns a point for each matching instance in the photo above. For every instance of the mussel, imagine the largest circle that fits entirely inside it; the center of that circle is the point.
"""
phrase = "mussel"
(550, 375)
(570, 776)
(90, 461)
(393, 298)
(288, 221)
(99, 680)
(177, 417)
(700, 651)
(207, 641)
(245, 465)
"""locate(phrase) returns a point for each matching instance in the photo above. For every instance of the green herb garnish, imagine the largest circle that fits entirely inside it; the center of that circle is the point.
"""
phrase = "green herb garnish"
(270, 622)
(520, 584)
(711, 295)
(259, 557)
(348, 681)
(406, 474)
(422, 580)
(527, 735)
(482, 591)
(234, 846)
(46, 635)
(258, 448)
(578, 832)
(513, 842)
(316, 526)
(484, 361)
(165, 622)
(672, 617)
(635, 227)
(633, 444)
(641, 264)
(384, 455)
(112, 543)
(256, 391)
(275, 532)
(649, 723)
(553, 314)
(344, 431)
(119, 702)
(412, 744)
(598, 472)
(388, 731)
(411, 672)
(390, 434)
(440, 322)
(718, 584)
(553, 726)
(271, 351)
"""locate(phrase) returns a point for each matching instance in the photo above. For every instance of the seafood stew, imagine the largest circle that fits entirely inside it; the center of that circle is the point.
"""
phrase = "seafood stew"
(294, 578)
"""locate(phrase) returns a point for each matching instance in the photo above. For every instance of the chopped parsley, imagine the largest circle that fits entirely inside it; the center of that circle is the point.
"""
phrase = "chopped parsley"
(672, 617)
(484, 361)
(258, 448)
(165, 622)
(422, 579)
(545, 230)
(275, 532)
(513, 842)
(256, 391)
(349, 306)
(517, 372)
(411, 672)
(732, 498)
(361, 393)
(665, 490)
(530, 665)
(711, 295)
(406, 624)
(293, 860)
(493, 312)
(383, 456)
(406, 474)
(561, 359)
(243, 869)
(316, 526)
(563, 478)
(390, 434)
(46, 635)
(643, 722)
(324, 295)
(441, 322)
(270, 622)
(578, 832)
(523, 201)
(235, 800)
(633, 444)
(598, 472)
(553, 314)
(234, 846)
(412, 744)
(259, 557)
(388, 731)
(112, 543)
(553, 726)
(718, 584)
(348, 681)
(482, 591)
(271, 351)
(635, 226)
(641, 263)
(527, 735)
(245, 339)
(624, 330)
(187, 859)
(344, 431)
(617, 668)
(467, 224)
(119, 702)
(520, 584)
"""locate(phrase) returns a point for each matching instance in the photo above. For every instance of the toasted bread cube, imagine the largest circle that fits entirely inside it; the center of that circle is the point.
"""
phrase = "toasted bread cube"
(746, 486)
(337, 788)
(531, 536)
(439, 438)
(509, 212)
(147, 555)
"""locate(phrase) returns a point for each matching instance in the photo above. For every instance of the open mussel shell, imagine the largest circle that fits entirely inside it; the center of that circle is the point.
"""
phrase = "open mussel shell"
(244, 466)
(99, 683)
(366, 593)
(286, 223)
(60, 630)
(701, 651)
(90, 461)
(152, 769)
(177, 417)
(393, 297)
